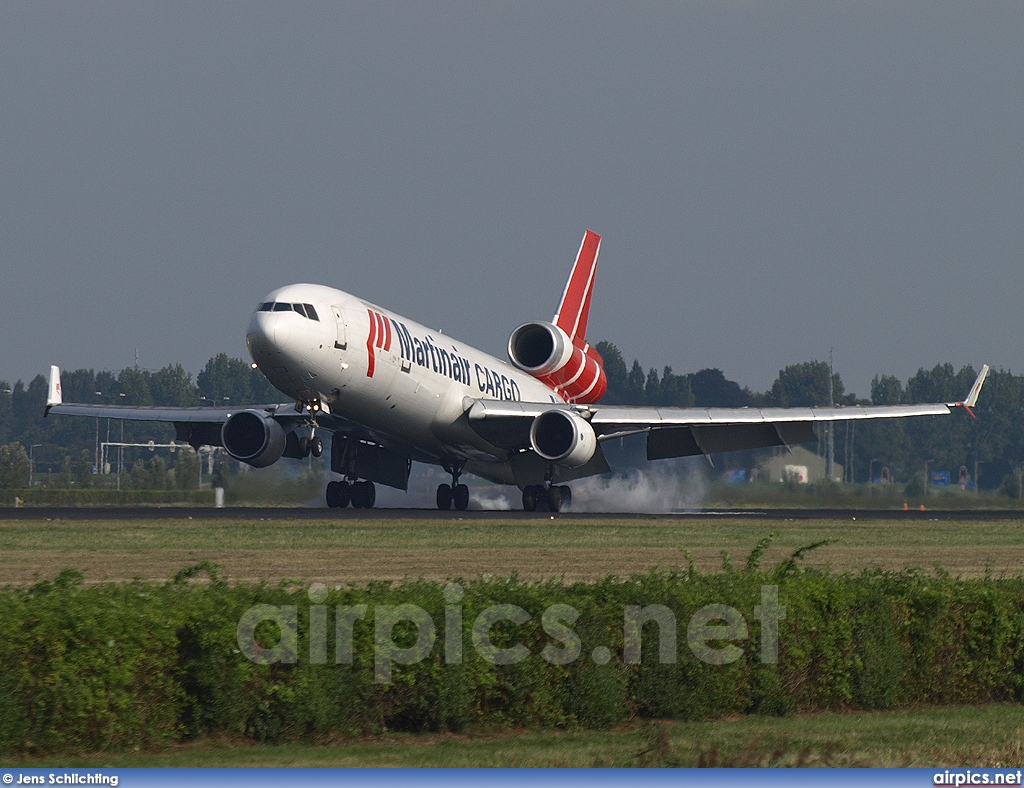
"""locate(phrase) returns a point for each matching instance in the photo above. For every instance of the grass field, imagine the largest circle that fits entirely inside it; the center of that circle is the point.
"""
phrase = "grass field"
(983, 736)
(357, 551)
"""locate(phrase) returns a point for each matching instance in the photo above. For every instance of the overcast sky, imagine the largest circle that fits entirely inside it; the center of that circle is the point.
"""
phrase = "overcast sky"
(770, 179)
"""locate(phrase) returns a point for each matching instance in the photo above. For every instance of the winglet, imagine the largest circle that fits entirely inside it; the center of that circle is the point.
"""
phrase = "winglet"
(53, 394)
(972, 395)
(574, 309)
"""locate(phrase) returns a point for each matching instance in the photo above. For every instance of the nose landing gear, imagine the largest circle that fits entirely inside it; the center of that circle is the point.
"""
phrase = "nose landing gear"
(313, 445)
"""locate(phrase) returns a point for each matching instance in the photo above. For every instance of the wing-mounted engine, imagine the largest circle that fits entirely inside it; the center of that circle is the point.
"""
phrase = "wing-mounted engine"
(254, 437)
(563, 437)
(574, 370)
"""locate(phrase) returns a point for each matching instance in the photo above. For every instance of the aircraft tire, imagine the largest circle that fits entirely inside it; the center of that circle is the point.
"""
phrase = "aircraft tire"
(364, 495)
(460, 495)
(369, 495)
(566, 497)
(555, 499)
(357, 495)
(444, 497)
(530, 498)
(338, 494)
(316, 447)
(304, 447)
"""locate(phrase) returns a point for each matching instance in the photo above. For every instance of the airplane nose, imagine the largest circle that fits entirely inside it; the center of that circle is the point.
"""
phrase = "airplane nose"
(266, 336)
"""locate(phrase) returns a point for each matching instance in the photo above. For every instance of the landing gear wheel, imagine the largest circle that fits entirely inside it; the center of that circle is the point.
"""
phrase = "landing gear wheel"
(369, 495)
(461, 497)
(444, 497)
(566, 497)
(554, 499)
(338, 495)
(316, 447)
(364, 495)
(304, 447)
(530, 498)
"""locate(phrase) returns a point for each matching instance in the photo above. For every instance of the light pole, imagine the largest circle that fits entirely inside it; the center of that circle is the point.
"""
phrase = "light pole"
(32, 461)
(96, 456)
(871, 472)
(120, 456)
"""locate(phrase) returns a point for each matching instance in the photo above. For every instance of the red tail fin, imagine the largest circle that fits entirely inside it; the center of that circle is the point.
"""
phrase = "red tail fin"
(574, 310)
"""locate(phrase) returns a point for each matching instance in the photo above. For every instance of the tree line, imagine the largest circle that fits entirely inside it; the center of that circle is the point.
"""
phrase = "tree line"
(990, 447)
(992, 444)
(69, 449)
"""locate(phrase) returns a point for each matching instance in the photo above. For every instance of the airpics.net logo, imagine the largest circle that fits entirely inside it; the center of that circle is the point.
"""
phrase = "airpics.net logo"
(976, 777)
(713, 632)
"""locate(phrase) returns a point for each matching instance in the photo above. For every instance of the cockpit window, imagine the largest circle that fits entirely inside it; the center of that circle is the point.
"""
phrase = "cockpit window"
(306, 310)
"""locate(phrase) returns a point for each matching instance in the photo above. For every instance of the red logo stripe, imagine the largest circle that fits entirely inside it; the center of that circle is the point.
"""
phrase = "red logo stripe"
(371, 341)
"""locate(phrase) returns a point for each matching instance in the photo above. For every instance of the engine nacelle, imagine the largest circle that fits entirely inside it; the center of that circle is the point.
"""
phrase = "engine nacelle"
(563, 437)
(253, 437)
(574, 371)
(539, 348)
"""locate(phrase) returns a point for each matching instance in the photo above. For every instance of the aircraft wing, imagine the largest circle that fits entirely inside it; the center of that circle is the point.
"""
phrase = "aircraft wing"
(200, 425)
(682, 432)
(197, 425)
(190, 415)
(212, 415)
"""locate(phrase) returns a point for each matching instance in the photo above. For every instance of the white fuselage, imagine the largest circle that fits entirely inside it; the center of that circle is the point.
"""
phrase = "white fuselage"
(384, 372)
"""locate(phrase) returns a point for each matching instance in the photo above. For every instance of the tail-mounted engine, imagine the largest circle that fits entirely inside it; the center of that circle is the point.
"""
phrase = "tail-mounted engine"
(563, 437)
(574, 371)
(253, 437)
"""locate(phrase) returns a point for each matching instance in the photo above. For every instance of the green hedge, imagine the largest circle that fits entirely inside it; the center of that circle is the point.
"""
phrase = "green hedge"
(117, 666)
(52, 496)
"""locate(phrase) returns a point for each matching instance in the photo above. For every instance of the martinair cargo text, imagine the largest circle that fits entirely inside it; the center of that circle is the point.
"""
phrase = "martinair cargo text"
(390, 392)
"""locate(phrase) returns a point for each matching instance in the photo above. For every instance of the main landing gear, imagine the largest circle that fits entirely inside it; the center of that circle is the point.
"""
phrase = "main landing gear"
(454, 493)
(554, 498)
(362, 495)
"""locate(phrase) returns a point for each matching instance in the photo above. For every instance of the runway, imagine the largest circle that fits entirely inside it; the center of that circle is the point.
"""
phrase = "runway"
(346, 515)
